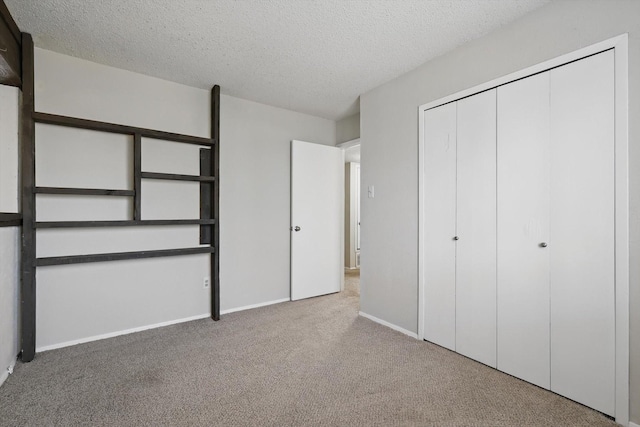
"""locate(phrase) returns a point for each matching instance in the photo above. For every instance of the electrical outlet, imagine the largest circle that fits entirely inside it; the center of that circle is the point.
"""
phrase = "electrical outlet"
(206, 282)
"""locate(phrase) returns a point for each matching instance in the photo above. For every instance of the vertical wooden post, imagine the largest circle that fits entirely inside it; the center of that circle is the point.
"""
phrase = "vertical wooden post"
(215, 200)
(137, 177)
(28, 166)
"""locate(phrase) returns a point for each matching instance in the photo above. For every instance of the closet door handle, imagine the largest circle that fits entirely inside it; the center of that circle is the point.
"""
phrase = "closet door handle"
(456, 238)
(543, 244)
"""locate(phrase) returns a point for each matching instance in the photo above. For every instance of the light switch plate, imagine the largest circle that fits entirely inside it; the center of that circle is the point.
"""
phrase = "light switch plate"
(371, 192)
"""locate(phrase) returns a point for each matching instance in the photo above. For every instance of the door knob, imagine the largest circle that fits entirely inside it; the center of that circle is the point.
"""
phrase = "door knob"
(296, 228)
(543, 244)
(456, 238)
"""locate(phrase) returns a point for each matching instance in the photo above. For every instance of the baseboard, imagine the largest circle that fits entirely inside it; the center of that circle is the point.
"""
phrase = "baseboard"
(154, 326)
(118, 333)
(249, 307)
(632, 424)
(389, 325)
(5, 374)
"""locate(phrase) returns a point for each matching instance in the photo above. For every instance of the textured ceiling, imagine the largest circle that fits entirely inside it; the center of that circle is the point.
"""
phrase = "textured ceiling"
(315, 57)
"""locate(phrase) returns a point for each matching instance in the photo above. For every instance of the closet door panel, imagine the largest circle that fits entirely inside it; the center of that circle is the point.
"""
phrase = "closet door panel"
(440, 224)
(476, 228)
(523, 225)
(582, 232)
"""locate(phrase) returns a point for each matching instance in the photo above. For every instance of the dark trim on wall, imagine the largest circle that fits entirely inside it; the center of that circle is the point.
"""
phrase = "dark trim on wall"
(11, 24)
(215, 198)
(10, 219)
(54, 119)
(28, 175)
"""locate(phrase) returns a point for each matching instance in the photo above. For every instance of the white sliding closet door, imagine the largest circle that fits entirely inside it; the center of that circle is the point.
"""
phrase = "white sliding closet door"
(476, 228)
(582, 232)
(440, 225)
(523, 228)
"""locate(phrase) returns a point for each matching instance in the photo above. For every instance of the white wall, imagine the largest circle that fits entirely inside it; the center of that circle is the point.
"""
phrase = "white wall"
(389, 124)
(9, 111)
(78, 302)
(255, 203)
(348, 128)
(9, 236)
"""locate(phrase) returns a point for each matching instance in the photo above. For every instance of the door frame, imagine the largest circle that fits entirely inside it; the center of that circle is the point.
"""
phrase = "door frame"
(621, 145)
(344, 146)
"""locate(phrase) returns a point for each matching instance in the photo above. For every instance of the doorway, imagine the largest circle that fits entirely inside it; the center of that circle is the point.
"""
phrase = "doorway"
(351, 151)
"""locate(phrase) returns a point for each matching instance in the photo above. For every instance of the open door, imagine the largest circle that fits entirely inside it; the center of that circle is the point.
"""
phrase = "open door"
(317, 178)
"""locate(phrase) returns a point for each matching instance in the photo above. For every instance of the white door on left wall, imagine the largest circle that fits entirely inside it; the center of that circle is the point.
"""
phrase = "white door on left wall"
(317, 181)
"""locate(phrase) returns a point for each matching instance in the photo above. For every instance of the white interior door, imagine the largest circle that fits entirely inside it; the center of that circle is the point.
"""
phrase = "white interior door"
(582, 232)
(317, 185)
(523, 229)
(476, 228)
(440, 225)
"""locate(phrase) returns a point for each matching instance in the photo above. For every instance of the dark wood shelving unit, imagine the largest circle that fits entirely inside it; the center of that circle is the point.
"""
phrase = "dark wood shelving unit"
(209, 198)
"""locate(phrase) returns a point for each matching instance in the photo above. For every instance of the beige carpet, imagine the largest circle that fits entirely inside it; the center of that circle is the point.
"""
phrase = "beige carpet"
(305, 363)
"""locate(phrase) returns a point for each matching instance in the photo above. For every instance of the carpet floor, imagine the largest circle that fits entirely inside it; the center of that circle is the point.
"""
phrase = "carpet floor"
(313, 362)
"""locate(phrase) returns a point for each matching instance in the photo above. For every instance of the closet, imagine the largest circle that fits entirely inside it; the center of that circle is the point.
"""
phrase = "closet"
(519, 237)
(460, 169)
